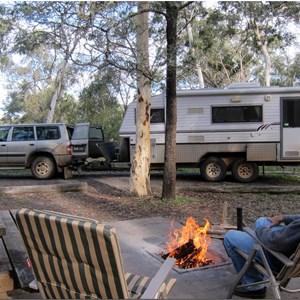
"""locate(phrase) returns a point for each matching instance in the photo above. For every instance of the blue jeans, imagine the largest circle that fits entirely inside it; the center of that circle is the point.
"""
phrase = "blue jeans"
(241, 240)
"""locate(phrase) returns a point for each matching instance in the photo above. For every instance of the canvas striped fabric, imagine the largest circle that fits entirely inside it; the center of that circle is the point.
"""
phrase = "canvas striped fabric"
(73, 257)
(136, 284)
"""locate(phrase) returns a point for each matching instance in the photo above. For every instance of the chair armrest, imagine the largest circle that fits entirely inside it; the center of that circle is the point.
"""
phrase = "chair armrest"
(2, 228)
(158, 279)
(34, 285)
(283, 258)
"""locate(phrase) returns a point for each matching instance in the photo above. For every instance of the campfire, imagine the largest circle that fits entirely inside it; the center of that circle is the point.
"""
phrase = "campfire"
(189, 245)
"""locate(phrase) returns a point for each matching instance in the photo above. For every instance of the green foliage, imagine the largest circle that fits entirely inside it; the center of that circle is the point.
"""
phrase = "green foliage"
(6, 24)
(26, 42)
(229, 50)
(98, 105)
(218, 50)
(13, 108)
(286, 70)
(66, 110)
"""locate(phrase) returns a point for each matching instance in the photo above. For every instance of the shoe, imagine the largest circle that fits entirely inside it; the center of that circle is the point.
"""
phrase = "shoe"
(255, 294)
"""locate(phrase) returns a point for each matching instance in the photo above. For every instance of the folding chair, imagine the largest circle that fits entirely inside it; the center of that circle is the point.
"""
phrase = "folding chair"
(290, 269)
(75, 257)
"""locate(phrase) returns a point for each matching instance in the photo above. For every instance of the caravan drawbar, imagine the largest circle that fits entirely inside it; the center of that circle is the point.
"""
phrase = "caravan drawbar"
(235, 129)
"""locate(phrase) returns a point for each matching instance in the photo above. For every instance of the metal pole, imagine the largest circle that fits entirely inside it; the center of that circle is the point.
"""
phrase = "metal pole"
(239, 218)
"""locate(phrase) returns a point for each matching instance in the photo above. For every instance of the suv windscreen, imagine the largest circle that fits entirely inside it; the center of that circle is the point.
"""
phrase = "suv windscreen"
(47, 132)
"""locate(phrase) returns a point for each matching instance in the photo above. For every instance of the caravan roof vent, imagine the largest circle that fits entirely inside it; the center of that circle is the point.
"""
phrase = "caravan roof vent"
(241, 85)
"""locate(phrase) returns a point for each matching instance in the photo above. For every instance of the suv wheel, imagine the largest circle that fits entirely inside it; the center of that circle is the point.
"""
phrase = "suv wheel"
(43, 167)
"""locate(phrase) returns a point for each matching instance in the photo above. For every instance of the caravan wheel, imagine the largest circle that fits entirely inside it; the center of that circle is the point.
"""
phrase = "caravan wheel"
(244, 171)
(213, 169)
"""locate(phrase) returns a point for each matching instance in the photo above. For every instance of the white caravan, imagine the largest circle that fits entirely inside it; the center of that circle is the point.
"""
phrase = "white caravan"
(218, 130)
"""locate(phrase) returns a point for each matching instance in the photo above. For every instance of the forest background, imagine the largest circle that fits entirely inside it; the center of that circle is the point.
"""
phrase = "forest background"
(83, 55)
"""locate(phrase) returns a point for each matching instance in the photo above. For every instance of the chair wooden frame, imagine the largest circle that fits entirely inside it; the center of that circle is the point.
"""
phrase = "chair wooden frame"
(290, 269)
(74, 257)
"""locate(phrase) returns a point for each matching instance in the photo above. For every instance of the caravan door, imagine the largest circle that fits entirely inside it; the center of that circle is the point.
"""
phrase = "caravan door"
(290, 128)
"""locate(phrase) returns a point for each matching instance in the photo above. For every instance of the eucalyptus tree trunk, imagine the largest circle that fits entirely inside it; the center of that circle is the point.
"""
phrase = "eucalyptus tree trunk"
(194, 56)
(60, 76)
(57, 92)
(169, 181)
(140, 165)
(263, 46)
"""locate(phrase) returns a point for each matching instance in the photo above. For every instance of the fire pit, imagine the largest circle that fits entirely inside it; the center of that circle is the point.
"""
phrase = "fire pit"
(192, 247)
(187, 256)
(189, 245)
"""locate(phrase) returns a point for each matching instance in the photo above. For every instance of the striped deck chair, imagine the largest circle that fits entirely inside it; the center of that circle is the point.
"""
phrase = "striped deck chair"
(278, 282)
(74, 257)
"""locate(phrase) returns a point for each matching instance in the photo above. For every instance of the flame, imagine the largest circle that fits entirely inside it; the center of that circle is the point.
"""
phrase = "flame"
(197, 239)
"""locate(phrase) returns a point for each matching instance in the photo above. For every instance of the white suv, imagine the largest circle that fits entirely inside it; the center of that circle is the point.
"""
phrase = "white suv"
(45, 148)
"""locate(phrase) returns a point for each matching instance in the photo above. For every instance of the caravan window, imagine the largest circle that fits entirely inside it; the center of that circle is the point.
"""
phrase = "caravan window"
(157, 115)
(232, 114)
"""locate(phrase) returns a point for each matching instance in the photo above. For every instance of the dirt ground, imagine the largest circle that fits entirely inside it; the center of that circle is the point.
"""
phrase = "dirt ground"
(108, 199)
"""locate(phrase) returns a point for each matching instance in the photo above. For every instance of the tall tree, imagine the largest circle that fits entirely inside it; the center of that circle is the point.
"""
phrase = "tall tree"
(169, 182)
(6, 26)
(61, 26)
(219, 50)
(264, 26)
(140, 165)
(195, 58)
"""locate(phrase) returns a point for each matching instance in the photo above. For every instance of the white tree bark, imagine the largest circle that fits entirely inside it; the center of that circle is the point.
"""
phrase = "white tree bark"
(194, 56)
(140, 165)
(265, 52)
(60, 78)
(58, 85)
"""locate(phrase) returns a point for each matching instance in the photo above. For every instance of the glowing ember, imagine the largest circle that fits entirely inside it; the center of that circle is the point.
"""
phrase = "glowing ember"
(189, 245)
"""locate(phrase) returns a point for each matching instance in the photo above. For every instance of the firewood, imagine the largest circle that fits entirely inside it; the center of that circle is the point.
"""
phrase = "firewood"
(186, 263)
(181, 251)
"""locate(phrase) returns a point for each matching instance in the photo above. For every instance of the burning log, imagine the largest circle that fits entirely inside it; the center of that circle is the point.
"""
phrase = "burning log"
(188, 263)
(185, 256)
(189, 254)
(182, 251)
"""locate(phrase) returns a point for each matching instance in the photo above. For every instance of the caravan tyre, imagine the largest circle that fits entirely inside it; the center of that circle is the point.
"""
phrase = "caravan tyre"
(213, 169)
(244, 171)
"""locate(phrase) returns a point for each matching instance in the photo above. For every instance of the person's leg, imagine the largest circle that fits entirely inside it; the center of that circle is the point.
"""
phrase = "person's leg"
(264, 222)
(241, 240)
